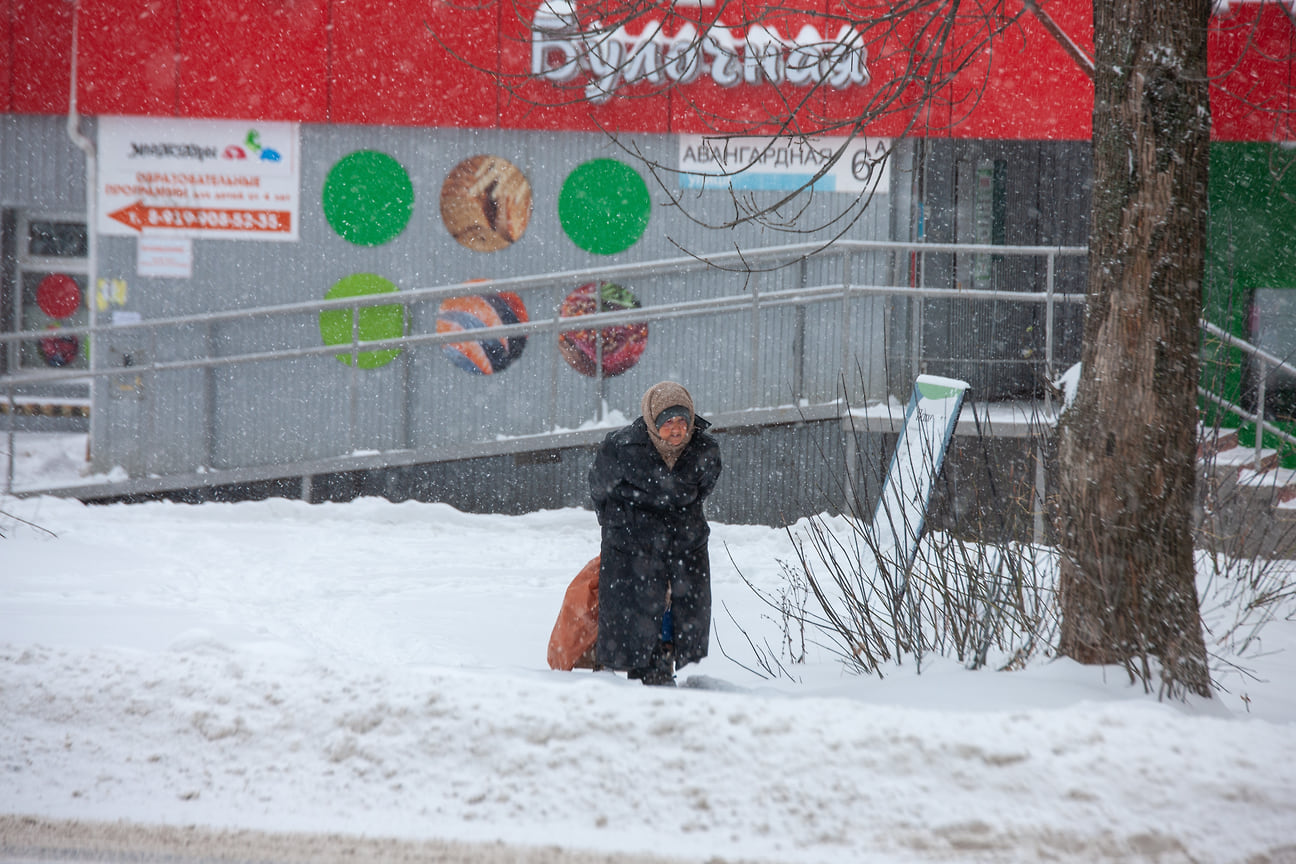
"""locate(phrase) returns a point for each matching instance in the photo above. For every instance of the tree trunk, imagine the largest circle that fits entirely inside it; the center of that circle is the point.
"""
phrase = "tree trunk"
(1128, 443)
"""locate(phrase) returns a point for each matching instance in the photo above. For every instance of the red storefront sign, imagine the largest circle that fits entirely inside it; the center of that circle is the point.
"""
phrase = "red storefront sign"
(812, 67)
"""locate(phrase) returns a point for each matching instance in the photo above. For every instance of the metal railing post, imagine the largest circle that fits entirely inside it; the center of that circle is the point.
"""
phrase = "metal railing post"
(917, 310)
(13, 420)
(554, 335)
(600, 393)
(848, 262)
(1050, 288)
(148, 392)
(353, 388)
(406, 376)
(755, 340)
(1261, 395)
(208, 373)
(1041, 476)
(799, 339)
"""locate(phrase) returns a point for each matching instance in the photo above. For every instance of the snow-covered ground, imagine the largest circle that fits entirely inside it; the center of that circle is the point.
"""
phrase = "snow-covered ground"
(379, 669)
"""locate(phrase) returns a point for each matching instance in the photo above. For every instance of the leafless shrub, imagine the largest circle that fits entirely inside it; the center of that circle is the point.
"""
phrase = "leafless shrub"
(788, 612)
(980, 601)
(973, 601)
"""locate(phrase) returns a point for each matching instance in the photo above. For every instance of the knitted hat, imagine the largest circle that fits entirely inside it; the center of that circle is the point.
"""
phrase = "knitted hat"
(671, 413)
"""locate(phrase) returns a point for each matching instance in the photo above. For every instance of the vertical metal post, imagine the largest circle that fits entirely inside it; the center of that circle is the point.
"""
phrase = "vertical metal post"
(600, 393)
(86, 146)
(147, 389)
(13, 419)
(209, 397)
(554, 335)
(1041, 476)
(1048, 320)
(799, 340)
(755, 341)
(918, 273)
(1260, 409)
(353, 418)
(848, 263)
(406, 411)
(916, 327)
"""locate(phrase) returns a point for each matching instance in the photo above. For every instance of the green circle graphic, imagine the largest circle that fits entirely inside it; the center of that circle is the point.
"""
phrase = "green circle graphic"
(604, 206)
(376, 322)
(368, 198)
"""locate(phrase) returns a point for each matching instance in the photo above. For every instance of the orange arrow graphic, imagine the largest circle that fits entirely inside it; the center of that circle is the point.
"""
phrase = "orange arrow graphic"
(139, 216)
(131, 216)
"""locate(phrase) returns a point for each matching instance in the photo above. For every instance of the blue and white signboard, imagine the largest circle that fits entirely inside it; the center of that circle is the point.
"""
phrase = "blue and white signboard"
(747, 163)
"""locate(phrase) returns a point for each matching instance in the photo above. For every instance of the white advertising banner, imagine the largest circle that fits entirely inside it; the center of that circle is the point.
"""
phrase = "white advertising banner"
(785, 163)
(174, 177)
(164, 256)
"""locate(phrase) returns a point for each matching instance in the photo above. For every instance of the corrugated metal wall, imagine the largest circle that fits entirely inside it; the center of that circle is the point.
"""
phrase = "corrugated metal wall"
(297, 410)
(1036, 195)
(40, 168)
(772, 475)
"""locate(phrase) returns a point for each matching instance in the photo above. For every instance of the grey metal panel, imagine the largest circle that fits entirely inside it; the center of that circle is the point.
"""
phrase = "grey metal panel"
(999, 348)
(40, 167)
(299, 410)
(776, 475)
(772, 475)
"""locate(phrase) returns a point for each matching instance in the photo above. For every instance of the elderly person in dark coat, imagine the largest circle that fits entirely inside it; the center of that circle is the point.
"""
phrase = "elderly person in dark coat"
(648, 483)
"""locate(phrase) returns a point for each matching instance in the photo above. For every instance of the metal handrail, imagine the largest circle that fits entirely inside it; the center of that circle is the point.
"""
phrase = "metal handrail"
(755, 299)
(1265, 360)
(788, 254)
(688, 309)
(792, 253)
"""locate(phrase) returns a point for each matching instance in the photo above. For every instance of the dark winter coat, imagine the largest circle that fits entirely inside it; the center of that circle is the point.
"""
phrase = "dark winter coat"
(654, 535)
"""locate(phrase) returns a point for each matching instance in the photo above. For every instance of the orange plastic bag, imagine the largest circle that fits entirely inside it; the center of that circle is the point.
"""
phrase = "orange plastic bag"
(572, 643)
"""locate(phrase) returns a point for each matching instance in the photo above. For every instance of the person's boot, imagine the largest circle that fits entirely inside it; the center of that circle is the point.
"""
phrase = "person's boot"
(661, 671)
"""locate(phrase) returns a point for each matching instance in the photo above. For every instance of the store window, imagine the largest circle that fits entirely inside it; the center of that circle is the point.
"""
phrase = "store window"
(47, 238)
(49, 293)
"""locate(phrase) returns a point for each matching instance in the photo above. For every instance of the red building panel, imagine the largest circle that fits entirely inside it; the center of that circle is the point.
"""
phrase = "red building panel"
(6, 56)
(253, 59)
(1021, 81)
(418, 63)
(887, 106)
(42, 50)
(434, 63)
(1253, 72)
(126, 58)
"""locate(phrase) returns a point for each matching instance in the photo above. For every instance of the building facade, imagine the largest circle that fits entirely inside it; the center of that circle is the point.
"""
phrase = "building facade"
(197, 198)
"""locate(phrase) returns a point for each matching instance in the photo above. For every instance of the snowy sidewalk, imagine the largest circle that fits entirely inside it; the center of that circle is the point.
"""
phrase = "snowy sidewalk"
(376, 669)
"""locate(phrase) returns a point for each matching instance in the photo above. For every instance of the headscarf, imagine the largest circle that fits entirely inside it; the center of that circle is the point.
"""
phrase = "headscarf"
(660, 396)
